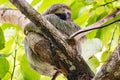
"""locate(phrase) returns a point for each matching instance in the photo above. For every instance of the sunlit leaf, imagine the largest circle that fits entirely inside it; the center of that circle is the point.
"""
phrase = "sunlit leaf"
(92, 34)
(105, 34)
(115, 37)
(116, 4)
(10, 33)
(100, 2)
(92, 19)
(27, 72)
(90, 1)
(46, 4)
(2, 40)
(81, 20)
(3, 1)
(105, 55)
(4, 55)
(76, 6)
(61, 77)
(34, 2)
(4, 67)
(93, 63)
(45, 78)
(9, 46)
(7, 76)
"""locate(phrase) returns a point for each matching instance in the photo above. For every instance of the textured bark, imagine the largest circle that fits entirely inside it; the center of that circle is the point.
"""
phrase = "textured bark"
(111, 69)
(13, 16)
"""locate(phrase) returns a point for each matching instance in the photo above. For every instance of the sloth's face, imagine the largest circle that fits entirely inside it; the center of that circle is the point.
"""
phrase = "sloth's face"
(63, 14)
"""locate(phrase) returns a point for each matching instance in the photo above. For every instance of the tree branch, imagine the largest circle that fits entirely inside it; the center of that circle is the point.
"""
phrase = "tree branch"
(14, 62)
(96, 25)
(13, 16)
(108, 3)
(111, 69)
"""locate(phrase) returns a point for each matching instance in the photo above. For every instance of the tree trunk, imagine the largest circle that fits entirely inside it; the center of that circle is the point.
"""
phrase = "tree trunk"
(111, 69)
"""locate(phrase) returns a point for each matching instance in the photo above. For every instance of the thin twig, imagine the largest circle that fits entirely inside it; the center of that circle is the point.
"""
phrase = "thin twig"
(14, 60)
(94, 28)
(108, 3)
(96, 25)
(112, 39)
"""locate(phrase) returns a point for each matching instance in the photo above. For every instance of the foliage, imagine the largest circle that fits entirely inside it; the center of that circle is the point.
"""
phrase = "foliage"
(4, 67)
(85, 12)
(2, 43)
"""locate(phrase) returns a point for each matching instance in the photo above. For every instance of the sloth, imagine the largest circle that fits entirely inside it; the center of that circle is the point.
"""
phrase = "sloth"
(59, 15)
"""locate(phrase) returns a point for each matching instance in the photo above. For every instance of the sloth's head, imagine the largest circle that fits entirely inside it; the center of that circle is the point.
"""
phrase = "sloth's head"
(60, 10)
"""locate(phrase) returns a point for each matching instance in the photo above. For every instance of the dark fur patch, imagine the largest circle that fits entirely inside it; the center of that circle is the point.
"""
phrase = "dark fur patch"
(62, 16)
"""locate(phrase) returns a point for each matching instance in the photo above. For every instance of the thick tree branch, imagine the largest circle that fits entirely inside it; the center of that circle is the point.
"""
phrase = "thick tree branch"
(13, 16)
(111, 69)
(96, 25)
(81, 69)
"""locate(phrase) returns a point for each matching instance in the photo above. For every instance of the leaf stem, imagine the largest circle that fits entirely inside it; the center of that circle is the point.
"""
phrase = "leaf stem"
(14, 62)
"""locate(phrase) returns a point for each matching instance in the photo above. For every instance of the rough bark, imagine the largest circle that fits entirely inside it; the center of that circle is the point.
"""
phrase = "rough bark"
(111, 69)
(13, 16)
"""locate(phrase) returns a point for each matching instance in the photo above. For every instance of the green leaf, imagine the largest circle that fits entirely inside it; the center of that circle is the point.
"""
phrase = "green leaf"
(27, 72)
(46, 4)
(89, 1)
(76, 6)
(100, 2)
(2, 39)
(82, 19)
(61, 77)
(9, 47)
(35, 2)
(10, 32)
(92, 19)
(93, 63)
(45, 78)
(105, 55)
(116, 37)
(4, 55)
(92, 34)
(105, 34)
(4, 67)
(3, 1)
